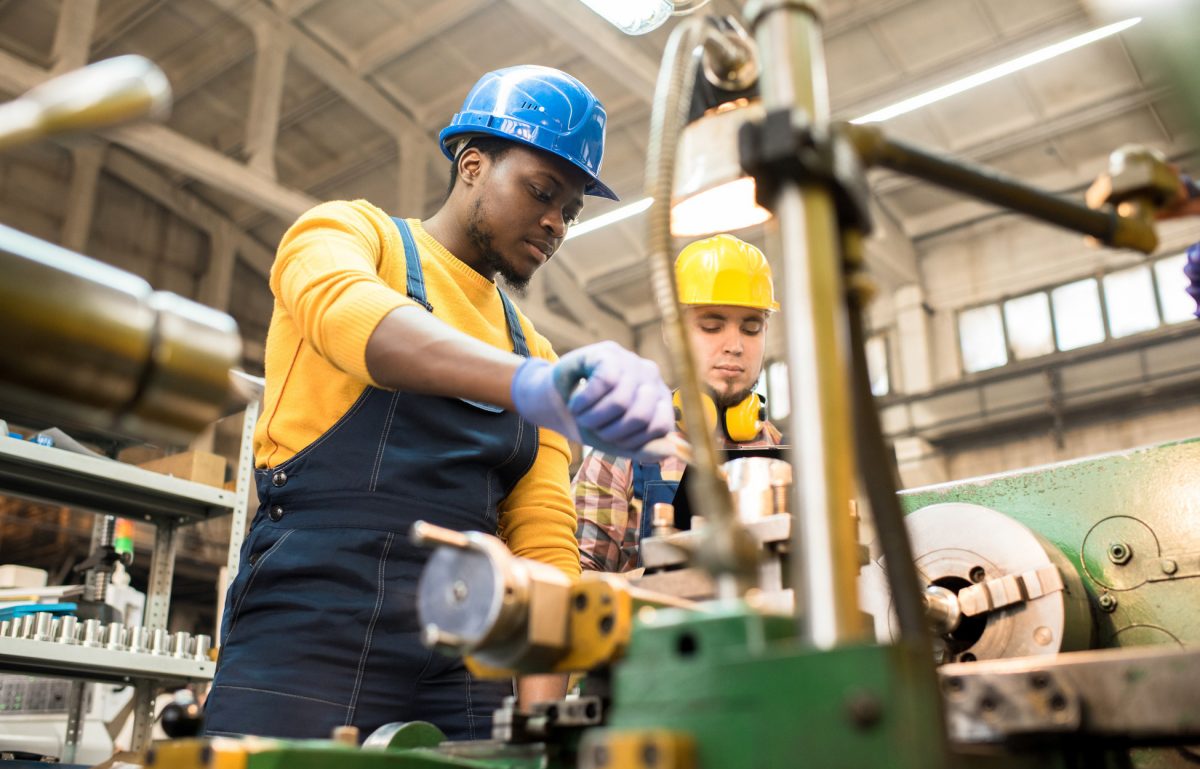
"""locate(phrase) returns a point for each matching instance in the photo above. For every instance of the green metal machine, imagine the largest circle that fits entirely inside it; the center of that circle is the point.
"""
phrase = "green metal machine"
(1060, 598)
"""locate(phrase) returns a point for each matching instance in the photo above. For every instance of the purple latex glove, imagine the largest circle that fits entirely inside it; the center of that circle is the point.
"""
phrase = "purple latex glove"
(1192, 270)
(622, 406)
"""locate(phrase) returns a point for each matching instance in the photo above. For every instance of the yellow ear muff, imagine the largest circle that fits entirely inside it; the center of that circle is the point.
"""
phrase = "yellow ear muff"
(742, 422)
(710, 411)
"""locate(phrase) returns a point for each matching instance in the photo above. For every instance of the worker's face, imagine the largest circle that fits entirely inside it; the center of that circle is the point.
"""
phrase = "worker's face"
(521, 205)
(730, 343)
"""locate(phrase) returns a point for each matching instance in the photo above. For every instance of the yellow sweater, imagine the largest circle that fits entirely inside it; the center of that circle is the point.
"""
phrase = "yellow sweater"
(339, 270)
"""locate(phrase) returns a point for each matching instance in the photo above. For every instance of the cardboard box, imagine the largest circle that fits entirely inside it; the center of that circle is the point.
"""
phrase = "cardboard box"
(198, 466)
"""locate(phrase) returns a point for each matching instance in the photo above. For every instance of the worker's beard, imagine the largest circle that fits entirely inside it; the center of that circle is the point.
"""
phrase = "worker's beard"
(724, 401)
(481, 238)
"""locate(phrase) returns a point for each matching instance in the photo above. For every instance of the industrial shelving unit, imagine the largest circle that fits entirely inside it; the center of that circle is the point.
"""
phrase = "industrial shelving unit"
(108, 487)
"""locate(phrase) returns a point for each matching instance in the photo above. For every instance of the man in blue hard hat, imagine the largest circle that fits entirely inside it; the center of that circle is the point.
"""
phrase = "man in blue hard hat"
(403, 384)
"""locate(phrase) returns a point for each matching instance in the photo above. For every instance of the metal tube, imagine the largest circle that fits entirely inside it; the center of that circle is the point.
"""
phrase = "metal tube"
(993, 187)
(90, 344)
(804, 232)
(723, 551)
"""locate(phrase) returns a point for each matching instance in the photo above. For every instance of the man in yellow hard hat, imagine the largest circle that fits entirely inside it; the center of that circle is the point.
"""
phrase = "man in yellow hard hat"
(725, 286)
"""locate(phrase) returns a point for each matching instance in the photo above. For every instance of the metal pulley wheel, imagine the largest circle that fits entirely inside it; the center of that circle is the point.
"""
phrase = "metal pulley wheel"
(995, 589)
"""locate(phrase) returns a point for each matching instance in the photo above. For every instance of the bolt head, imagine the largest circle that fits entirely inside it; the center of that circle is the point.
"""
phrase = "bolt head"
(1120, 553)
(1108, 602)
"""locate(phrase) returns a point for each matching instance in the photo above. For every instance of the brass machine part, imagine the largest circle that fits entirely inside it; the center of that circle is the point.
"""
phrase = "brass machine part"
(637, 749)
(97, 346)
(211, 753)
(511, 615)
(89, 344)
(103, 94)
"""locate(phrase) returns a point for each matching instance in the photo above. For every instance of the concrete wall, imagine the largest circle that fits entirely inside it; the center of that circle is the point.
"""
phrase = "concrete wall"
(988, 261)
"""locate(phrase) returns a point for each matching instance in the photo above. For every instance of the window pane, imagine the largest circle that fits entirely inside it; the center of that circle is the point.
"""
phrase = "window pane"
(779, 404)
(1077, 320)
(1176, 304)
(981, 336)
(877, 365)
(1027, 319)
(1129, 295)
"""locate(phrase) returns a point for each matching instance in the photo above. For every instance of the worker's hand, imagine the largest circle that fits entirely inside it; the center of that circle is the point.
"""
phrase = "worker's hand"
(621, 406)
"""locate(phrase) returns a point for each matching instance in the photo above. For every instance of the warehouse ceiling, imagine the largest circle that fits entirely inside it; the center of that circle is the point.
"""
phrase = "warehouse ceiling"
(282, 103)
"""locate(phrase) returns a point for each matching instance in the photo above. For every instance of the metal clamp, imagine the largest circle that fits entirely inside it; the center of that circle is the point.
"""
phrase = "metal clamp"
(1008, 590)
(787, 146)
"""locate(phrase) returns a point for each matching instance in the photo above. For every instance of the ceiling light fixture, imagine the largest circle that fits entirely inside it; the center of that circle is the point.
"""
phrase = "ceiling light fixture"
(633, 17)
(994, 73)
(615, 215)
(886, 113)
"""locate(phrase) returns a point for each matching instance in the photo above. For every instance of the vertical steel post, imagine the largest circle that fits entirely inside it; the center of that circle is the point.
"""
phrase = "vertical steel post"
(804, 232)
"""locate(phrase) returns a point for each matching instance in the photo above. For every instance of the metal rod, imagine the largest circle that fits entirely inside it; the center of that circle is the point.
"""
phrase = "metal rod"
(725, 550)
(993, 187)
(804, 232)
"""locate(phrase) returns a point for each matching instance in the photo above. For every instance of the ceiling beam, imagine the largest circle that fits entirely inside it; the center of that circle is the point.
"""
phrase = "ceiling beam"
(564, 334)
(266, 95)
(330, 67)
(149, 181)
(216, 284)
(435, 19)
(598, 321)
(435, 114)
(294, 8)
(117, 17)
(73, 35)
(598, 41)
(86, 161)
(193, 159)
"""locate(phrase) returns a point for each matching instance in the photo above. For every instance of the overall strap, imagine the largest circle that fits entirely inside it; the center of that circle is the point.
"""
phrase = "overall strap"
(515, 332)
(416, 289)
(412, 261)
(643, 473)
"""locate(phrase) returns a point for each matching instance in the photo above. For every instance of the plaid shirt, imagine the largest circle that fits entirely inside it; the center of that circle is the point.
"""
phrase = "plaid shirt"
(610, 518)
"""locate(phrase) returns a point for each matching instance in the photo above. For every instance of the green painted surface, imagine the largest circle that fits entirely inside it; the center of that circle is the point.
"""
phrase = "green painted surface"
(738, 683)
(321, 754)
(1147, 500)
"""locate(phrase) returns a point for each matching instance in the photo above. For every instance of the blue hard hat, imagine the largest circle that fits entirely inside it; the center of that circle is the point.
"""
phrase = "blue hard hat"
(538, 106)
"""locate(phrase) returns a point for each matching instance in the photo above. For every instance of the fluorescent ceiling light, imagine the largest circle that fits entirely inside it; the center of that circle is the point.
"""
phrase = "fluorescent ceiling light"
(633, 17)
(910, 104)
(615, 215)
(994, 73)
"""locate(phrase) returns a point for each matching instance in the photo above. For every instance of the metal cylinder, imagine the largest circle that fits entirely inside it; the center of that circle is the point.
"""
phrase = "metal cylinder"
(41, 626)
(93, 633)
(181, 644)
(67, 629)
(27, 626)
(758, 484)
(137, 639)
(94, 345)
(114, 636)
(201, 644)
(941, 606)
(804, 233)
(160, 642)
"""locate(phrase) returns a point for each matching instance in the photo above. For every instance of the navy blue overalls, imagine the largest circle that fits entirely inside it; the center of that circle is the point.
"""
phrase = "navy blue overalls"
(320, 626)
(649, 486)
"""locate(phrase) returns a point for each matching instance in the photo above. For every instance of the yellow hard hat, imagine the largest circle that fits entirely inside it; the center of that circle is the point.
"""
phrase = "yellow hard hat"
(724, 270)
